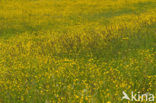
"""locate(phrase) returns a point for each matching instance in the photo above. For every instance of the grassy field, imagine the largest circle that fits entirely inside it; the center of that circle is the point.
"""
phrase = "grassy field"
(76, 51)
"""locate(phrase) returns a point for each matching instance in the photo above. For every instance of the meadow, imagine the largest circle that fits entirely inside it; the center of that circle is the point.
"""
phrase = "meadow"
(76, 51)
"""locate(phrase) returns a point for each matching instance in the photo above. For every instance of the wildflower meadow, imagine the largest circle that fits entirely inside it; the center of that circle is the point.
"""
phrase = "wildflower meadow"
(77, 51)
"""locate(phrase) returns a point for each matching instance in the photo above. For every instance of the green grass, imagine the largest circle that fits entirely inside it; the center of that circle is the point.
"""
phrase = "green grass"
(76, 51)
